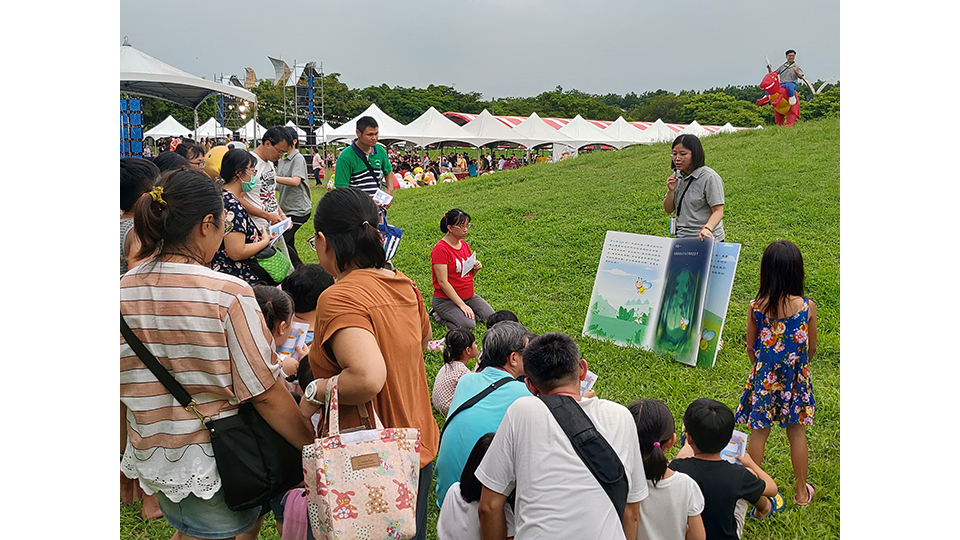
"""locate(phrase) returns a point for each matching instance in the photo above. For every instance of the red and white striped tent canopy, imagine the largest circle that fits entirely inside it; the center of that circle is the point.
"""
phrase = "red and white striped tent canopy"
(557, 123)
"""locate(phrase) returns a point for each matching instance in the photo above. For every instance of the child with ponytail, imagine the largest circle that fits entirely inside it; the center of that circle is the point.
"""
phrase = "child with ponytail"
(277, 309)
(674, 504)
(459, 348)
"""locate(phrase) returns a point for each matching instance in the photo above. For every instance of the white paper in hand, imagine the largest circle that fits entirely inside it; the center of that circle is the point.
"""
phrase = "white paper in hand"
(277, 229)
(588, 382)
(736, 447)
(382, 197)
(296, 337)
(468, 265)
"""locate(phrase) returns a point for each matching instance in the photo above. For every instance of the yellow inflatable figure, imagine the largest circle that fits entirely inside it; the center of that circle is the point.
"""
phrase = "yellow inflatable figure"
(214, 158)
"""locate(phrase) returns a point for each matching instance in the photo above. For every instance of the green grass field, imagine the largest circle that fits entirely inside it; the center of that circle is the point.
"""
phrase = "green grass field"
(539, 231)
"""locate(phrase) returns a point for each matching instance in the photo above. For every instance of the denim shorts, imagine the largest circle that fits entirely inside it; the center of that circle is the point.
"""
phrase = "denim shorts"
(206, 518)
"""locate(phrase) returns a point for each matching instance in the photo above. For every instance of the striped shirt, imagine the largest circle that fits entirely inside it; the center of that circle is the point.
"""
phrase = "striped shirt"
(207, 328)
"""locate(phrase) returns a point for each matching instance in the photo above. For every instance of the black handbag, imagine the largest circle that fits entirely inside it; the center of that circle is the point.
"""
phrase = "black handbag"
(255, 463)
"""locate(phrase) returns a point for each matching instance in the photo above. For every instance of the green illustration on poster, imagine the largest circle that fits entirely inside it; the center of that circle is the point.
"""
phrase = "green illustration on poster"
(663, 294)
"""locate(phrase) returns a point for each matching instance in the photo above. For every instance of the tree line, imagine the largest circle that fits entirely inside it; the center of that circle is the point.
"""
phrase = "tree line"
(714, 106)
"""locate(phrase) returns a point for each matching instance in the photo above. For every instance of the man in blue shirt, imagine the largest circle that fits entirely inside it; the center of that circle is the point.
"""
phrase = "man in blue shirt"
(502, 356)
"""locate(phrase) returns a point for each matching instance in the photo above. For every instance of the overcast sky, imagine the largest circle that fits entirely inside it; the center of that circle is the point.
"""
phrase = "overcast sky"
(499, 48)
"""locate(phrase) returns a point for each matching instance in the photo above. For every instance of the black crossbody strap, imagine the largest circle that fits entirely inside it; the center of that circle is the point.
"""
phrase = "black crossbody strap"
(593, 449)
(684, 194)
(363, 156)
(474, 400)
(151, 361)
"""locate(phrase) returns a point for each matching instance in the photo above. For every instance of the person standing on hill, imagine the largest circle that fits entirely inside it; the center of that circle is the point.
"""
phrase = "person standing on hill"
(694, 192)
(293, 194)
(261, 201)
(352, 166)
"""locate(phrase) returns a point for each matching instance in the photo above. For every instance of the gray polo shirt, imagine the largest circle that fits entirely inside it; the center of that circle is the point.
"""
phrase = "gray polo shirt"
(294, 200)
(787, 74)
(703, 188)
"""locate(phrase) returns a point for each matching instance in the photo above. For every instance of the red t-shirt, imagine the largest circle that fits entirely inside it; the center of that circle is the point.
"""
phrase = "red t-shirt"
(443, 253)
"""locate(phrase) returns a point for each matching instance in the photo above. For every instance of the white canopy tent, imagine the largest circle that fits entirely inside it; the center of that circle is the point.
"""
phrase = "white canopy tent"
(168, 128)
(583, 133)
(534, 132)
(431, 127)
(659, 132)
(727, 128)
(301, 134)
(212, 128)
(695, 129)
(251, 131)
(625, 134)
(323, 132)
(144, 75)
(486, 129)
(389, 128)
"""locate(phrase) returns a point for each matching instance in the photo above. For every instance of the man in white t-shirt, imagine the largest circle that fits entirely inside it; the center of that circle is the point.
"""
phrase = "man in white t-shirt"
(556, 494)
(261, 201)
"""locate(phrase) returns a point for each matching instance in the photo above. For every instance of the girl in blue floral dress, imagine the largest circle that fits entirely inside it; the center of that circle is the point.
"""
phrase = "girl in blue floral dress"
(781, 338)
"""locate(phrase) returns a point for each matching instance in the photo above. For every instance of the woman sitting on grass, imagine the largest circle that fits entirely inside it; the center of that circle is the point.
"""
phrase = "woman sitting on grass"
(454, 266)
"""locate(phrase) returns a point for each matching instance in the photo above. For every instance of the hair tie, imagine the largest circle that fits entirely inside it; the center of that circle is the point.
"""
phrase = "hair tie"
(656, 444)
(365, 223)
(156, 195)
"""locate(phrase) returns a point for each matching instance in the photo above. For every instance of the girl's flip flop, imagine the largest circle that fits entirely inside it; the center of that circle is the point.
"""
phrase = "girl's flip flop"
(810, 492)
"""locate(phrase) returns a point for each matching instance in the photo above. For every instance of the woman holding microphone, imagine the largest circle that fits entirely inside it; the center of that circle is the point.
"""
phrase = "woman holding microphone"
(694, 192)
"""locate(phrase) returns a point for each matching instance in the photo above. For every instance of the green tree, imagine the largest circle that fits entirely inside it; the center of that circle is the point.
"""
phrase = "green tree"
(716, 109)
(661, 104)
(826, 103)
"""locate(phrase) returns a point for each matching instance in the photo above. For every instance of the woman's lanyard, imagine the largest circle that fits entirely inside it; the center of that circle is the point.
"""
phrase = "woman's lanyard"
(684, 194)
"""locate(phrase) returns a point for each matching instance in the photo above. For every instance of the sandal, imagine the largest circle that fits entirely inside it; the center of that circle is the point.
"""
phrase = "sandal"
(810, 492)
(777, 504)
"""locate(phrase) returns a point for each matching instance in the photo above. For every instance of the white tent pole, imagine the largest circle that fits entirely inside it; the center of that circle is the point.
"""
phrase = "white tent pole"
(255, 123)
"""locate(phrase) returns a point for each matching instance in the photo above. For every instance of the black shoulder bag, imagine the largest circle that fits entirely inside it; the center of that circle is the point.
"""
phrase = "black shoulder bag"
(255, 463)
(593, 449)
(473, 401)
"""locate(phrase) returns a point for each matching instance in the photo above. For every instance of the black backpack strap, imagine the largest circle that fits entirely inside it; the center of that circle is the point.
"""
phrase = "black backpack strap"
(593, 449)
(474, 400)
(151, 361)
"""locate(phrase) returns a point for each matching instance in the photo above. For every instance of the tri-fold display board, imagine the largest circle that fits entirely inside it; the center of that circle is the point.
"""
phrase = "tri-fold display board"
(667, 295)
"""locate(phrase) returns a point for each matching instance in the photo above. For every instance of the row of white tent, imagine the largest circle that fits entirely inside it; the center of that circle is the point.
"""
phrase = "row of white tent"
(483, 129)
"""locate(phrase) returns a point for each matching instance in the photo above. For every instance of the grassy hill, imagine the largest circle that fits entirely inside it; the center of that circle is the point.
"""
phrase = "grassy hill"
(539, 232)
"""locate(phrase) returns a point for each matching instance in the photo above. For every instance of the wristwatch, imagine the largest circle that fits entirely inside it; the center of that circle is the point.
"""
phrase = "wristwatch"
(310, 393)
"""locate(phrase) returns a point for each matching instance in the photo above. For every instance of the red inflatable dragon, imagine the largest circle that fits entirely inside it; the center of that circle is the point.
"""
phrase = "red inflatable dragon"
(784, 114)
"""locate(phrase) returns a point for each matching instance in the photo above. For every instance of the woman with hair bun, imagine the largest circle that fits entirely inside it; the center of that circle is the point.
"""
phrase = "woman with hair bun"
(206, 328)
(454, 266)
(371, 329)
